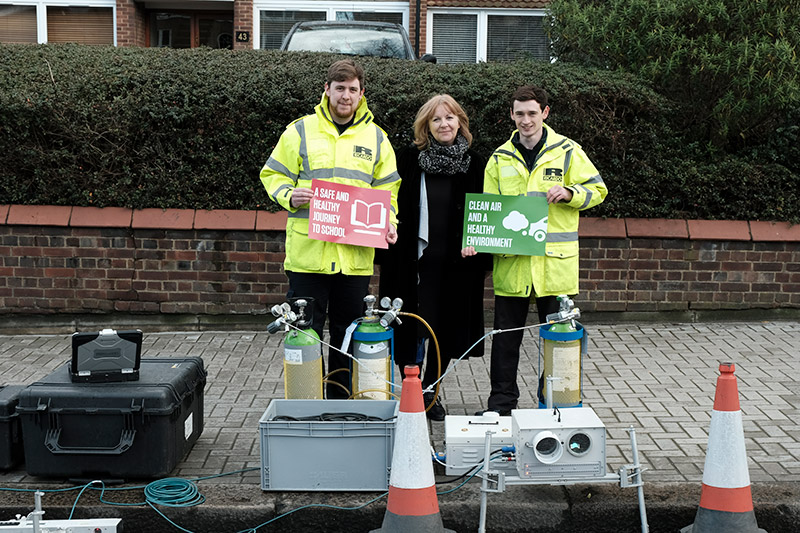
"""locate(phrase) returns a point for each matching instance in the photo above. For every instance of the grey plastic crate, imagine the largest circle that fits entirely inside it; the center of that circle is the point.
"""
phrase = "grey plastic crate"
(327, 455)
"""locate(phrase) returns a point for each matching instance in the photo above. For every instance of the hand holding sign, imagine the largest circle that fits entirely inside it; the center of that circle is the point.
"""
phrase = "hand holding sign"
(349, 215)
(391, 235)
(514, 225)
(301, 196)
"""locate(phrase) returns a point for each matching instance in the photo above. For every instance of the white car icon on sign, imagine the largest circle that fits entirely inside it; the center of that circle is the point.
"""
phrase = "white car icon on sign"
(538, 230)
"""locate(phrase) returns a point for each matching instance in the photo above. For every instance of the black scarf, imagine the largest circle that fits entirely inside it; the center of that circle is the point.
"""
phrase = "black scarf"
(440, 159)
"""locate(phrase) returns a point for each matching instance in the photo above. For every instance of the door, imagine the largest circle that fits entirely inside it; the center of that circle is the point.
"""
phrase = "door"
(183, 29)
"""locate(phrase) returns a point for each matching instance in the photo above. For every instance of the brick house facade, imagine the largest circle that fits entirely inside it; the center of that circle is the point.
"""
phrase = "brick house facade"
(453, 30)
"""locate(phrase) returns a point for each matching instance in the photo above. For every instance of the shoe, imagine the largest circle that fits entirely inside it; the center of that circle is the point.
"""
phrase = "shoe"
(503, 412)
(436, 412)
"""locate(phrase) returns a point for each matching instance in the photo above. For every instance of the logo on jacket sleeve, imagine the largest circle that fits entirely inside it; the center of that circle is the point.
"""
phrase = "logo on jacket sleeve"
(362, 152)
(553, 174)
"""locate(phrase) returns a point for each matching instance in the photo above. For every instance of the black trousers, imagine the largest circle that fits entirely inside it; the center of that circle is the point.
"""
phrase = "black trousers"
(340, 298)
(511, 312)
(426, 353)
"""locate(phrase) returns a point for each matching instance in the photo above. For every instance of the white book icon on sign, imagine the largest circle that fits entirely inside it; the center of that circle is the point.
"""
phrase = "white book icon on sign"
(371, 217)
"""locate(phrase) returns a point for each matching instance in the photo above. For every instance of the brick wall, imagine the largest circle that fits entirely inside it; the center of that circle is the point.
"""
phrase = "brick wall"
(57, 260)
(130, 23)
(243, 21)
(423, 25)
(638, 266)
(131, 29)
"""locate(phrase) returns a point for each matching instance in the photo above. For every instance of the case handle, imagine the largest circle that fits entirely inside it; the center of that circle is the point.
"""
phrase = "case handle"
(125, 442)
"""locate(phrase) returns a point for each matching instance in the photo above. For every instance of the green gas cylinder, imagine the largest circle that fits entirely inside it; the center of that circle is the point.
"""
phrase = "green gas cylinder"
(372, 350)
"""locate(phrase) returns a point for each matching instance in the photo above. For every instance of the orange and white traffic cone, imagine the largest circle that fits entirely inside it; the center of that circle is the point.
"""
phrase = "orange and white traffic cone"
(412, 504)
(726, 503)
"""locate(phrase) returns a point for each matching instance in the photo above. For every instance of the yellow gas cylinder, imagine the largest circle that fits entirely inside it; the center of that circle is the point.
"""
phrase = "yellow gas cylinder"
(302, 351)
(561, 349)
(302, 365)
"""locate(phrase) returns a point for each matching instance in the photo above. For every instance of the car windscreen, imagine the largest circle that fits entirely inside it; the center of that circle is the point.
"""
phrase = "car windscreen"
(355, 41)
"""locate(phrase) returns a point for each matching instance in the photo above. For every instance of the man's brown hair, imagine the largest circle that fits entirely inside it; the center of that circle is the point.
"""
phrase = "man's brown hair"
(345, 70)
(527, 93)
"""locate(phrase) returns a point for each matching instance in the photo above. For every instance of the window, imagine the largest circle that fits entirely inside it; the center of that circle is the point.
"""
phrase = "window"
(349, 37)
(56, 21)
(170, 30)
(511, 38)
(276, 17)
(84, 25)
(467, 35)
(17, 24)
(396, 18)
(164, 37)
(276, 24)
(214, 32)
(455, 38)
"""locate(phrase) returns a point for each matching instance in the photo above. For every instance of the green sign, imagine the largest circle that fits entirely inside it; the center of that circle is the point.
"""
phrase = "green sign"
(499, 224)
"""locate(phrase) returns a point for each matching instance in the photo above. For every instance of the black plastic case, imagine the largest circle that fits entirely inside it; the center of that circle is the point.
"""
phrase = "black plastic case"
(11, 450)
(107, 355)
(113, 431)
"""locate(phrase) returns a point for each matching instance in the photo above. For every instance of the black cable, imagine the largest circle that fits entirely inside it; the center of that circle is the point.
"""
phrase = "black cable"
(333, 417)
(468, 472)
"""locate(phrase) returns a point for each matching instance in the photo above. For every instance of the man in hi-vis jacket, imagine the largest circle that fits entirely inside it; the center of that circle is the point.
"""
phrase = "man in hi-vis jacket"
(339, 143)
(536, 161)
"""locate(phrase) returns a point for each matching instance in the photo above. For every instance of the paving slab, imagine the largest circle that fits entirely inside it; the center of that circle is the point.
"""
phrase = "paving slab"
(658, 378)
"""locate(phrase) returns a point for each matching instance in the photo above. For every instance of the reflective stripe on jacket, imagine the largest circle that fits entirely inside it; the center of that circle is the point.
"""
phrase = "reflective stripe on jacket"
(311, 148)
(561, 162)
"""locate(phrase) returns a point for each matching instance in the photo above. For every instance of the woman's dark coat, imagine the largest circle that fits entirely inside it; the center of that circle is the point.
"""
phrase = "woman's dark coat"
(464, 324)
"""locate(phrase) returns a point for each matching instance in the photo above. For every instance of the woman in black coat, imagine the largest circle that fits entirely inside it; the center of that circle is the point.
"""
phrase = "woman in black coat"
(426, 267)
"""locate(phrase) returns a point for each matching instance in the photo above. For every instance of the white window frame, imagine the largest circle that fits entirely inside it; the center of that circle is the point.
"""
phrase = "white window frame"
(41, 12)
(483, 24)
(330, 9)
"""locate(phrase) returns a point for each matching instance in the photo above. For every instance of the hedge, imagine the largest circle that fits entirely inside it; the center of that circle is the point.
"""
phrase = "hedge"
(142, 127)
(732, 64)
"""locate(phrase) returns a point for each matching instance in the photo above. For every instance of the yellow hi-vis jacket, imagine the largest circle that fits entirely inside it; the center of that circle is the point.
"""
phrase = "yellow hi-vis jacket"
(560, 162)
(311, 148)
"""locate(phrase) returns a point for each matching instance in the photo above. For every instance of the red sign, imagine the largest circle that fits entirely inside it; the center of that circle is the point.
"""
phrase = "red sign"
(349, 215)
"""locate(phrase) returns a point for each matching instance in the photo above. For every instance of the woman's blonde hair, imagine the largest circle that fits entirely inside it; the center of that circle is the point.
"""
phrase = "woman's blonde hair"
(426, 112)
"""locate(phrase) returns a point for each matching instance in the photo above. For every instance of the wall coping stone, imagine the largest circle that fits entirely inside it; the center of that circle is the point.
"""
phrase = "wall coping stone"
(722, 230)
(100, 217)
(774, 231)
(657, 227)
(232, 219)
(224, 219)
(154, 218)
(611, 228)
(39, 215)
(266, 220)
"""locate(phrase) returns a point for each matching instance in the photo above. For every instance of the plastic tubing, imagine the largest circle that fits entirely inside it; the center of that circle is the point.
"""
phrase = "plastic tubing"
(357, 393)
(438, 355)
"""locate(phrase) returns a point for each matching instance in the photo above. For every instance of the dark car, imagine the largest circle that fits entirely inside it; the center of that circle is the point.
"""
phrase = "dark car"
(381, 39)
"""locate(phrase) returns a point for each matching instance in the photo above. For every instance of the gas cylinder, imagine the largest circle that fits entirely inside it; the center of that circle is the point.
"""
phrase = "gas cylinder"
(561, 346)
(373, 342)
(302, 358)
